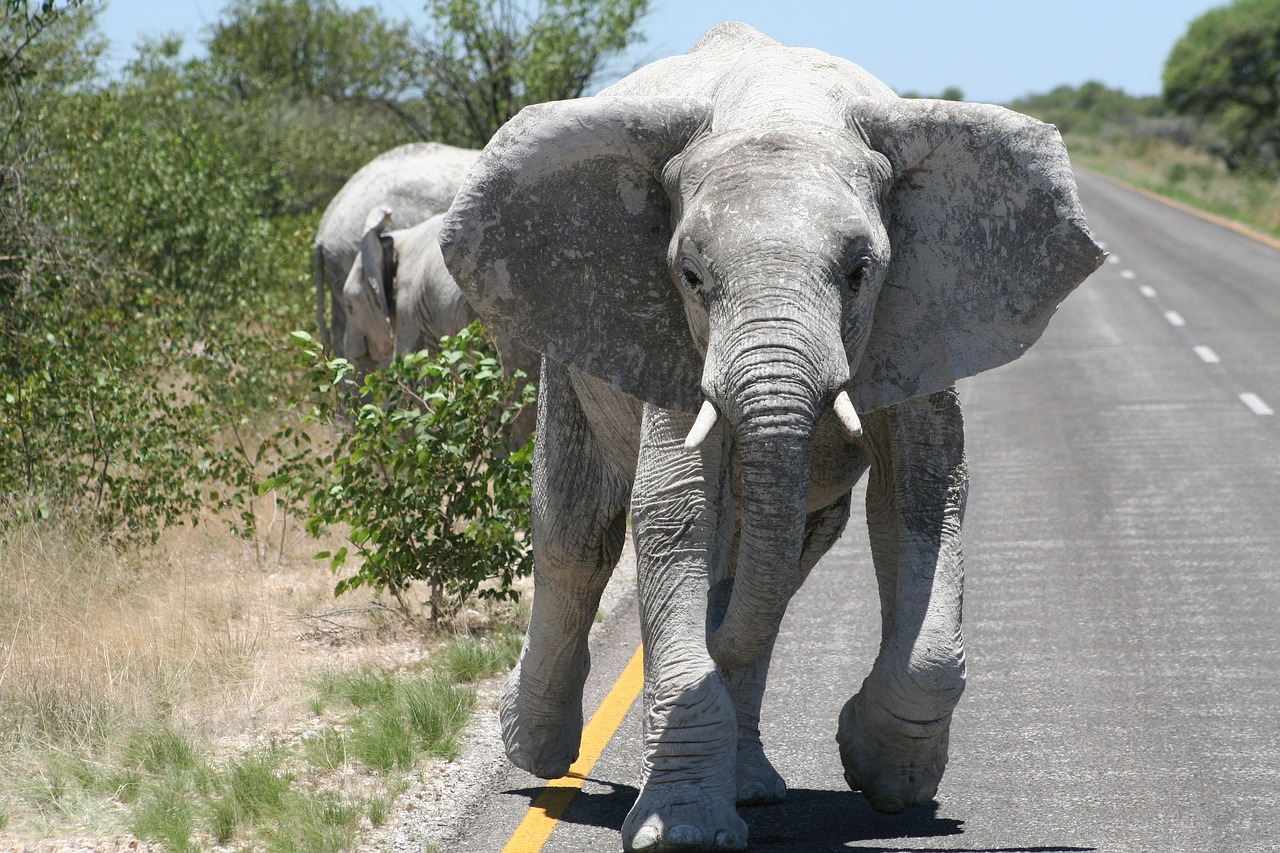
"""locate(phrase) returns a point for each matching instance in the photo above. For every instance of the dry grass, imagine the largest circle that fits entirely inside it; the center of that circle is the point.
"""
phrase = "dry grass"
(201, 636)
(1185, 174)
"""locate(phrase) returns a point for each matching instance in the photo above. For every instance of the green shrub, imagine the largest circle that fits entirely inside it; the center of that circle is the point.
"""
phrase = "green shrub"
(425, 475)
(91, 425)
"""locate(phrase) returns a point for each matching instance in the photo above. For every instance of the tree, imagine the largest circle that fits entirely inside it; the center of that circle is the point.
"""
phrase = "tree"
(489, 58)
(304, 91)
(1225, 72)
(46, 48)
(311, 48)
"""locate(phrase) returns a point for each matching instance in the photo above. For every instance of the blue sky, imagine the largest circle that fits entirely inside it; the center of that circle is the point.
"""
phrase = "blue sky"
(993, 50)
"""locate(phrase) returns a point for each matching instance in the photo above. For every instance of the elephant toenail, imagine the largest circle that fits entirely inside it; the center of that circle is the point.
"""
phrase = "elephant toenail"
(685, 835)
(726, 840)
(886, 804)
(646, 839)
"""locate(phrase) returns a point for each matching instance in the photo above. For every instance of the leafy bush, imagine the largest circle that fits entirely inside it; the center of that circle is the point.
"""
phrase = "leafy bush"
(426, 477)
(90, 423)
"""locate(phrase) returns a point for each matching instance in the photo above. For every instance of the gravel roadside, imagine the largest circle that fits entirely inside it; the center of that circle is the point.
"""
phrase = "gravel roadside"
(447, 795)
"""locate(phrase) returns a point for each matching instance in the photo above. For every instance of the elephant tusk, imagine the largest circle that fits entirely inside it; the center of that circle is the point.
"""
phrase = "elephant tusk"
(847, 414)
(707, 417)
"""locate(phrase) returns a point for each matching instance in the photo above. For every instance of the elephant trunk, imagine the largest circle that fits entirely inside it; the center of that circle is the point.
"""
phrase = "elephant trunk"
(773, 395)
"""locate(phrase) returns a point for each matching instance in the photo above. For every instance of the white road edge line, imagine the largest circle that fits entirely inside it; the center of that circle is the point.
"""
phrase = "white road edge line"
(1255, 403)
(1207, 355)
(1174, 318)
(1147, 291)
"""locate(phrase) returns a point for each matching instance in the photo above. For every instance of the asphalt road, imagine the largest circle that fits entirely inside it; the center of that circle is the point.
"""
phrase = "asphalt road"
(1122, 611)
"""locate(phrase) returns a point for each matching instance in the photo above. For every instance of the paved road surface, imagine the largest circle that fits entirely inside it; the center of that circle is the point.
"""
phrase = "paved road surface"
(1123, 598)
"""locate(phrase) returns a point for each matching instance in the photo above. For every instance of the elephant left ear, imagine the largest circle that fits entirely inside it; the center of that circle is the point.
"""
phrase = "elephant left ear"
(987, 237)
(377, 258)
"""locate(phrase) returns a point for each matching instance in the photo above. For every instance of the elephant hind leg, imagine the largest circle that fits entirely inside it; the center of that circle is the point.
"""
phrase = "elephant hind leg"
(579, 527)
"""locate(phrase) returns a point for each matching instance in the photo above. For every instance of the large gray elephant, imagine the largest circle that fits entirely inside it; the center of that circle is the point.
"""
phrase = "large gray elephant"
(755, 275)
(398, 298)
(415, 181)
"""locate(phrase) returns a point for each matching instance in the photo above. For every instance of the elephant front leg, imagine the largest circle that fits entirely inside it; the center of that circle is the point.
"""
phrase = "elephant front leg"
(893, 733)
(688, 786)
(579, 527)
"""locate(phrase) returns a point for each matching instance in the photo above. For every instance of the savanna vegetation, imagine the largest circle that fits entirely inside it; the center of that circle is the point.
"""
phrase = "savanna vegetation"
(173, 450)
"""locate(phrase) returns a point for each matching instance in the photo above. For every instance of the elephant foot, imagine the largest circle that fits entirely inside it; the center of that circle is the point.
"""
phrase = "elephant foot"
(759, 784)
(894, 762)
(541, 729)
(682, 816)
(686, 802)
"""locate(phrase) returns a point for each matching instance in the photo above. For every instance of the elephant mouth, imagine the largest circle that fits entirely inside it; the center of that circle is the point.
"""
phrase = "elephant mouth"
(709, 415)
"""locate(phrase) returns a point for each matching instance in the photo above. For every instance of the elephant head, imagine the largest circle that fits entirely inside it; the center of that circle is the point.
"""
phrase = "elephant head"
(765, 275)
(369, 296)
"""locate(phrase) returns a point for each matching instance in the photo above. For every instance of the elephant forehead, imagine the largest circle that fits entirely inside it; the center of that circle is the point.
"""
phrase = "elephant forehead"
(811, 149)
(778, 177)
(808, 213)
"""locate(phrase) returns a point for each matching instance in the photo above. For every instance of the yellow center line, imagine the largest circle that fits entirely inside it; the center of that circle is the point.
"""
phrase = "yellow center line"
(546, 811)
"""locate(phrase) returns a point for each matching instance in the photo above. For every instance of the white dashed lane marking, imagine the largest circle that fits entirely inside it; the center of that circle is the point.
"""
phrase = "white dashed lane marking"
(1207, 355)
(1256, 404)
(1128, 275)
(1174, 318)
(1147, 291)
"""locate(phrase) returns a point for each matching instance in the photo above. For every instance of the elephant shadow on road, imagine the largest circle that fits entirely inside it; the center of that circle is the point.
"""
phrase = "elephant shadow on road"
(812, 821)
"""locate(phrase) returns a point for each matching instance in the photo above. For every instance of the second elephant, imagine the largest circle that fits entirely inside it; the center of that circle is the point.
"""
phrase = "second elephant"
(398, 297)
(414, 181)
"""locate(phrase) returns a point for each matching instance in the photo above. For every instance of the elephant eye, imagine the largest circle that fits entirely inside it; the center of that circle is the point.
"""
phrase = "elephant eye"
(858, 271)
(690, 275)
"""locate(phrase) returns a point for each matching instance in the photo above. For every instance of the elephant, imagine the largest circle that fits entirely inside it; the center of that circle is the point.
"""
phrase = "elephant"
(755, 275)
(415, 181)
(398, 298)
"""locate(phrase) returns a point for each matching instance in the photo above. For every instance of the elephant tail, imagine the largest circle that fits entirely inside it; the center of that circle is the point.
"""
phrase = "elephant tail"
(321, 326)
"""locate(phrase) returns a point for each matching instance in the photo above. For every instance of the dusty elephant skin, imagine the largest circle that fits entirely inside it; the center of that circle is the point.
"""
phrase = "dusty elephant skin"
(770, 238)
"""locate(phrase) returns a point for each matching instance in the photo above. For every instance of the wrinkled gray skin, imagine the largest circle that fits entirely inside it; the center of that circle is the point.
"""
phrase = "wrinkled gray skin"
(399, 298)
(414, 181)
(761, 228)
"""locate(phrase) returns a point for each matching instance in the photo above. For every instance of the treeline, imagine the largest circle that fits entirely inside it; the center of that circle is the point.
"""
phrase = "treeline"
(1221, 94)
(156, 224)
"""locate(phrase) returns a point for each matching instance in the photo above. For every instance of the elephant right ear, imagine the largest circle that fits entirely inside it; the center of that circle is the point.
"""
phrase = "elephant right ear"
(559, 236)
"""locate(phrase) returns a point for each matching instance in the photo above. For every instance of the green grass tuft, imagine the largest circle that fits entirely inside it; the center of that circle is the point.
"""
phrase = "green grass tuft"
(317, 822)
(166, 813)
(470, 658)
(381, 739)
(325, 752)
(437, 711)
(159, 752)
